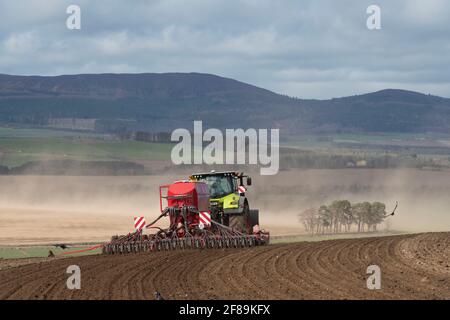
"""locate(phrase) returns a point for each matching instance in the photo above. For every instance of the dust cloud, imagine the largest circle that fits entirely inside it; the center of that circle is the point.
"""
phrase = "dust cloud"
(42, 209)
(423, 196)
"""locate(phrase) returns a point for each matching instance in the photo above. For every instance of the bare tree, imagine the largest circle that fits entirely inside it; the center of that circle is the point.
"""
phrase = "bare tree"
(341, 213)
(377, 214)
(309, 218)
(361, 212)
(325, 219)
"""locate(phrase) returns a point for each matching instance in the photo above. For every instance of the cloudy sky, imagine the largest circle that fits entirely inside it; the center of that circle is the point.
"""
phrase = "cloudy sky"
(308, 49)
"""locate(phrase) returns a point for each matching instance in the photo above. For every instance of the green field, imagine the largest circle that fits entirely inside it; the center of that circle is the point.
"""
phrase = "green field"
(40, 251)
(6, 132)
(21, 145)
(381, 139)
(18, 146)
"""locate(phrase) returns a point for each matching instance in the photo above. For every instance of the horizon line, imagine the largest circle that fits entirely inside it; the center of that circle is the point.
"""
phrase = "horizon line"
(220, 76)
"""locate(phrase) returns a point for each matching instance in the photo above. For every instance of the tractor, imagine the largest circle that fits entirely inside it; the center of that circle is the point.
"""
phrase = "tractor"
(209, 210)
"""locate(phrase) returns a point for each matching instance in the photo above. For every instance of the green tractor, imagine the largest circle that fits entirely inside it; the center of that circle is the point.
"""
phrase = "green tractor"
(229, 205)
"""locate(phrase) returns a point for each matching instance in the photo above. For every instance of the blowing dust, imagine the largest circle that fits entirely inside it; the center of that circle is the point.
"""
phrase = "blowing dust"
(46, 209)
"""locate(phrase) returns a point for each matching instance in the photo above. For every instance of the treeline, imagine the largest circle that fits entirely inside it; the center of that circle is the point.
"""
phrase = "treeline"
(161, 137)
(341, 216)
(317, 160)
(76, 168)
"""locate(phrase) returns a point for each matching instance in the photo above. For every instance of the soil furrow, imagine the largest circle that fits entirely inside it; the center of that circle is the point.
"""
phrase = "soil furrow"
(412, 266)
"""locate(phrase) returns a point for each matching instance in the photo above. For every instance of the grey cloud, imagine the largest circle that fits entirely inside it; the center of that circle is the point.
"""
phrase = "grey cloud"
(310, 49)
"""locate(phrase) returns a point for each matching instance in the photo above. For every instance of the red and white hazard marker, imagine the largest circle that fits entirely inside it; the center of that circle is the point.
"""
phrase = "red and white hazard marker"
(205, 218)
(139, 223)
(242, 189)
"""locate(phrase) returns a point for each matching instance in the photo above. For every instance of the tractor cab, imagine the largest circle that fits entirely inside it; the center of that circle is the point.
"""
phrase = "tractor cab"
(220, 185)
(229, 205)
(228, 184)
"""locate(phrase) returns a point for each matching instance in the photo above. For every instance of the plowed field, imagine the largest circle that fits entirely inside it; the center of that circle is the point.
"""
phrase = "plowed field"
(412, 267)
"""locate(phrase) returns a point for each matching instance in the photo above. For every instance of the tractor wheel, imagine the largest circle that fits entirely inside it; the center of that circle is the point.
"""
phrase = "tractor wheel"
(226, 220)
(253, 219)
(244, 223)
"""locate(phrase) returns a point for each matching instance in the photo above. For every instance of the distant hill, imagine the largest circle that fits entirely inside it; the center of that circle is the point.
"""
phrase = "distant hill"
(389, 110)
(162, 102)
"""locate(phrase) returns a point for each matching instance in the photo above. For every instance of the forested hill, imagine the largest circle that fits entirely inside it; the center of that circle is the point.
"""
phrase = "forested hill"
(161, 102)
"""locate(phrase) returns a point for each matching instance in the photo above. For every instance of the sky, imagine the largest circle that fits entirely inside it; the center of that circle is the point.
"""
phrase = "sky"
(304, 48)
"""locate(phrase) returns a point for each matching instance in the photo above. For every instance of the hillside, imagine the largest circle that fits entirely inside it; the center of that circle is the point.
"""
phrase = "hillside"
(387, 110)
(162, 102)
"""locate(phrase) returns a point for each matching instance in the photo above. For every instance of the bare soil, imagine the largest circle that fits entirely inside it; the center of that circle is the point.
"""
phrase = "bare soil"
(413, 267)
